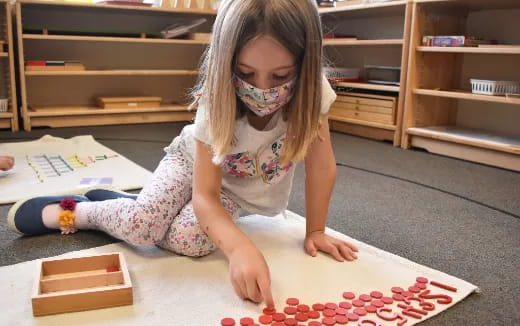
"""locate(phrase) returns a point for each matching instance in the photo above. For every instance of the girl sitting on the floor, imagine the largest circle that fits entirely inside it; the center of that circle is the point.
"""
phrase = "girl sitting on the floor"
(262, 105)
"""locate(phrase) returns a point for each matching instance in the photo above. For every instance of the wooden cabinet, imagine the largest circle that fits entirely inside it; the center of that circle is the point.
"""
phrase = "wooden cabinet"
(122, 55)
(382, 32)
(8, 109)
(442, 115)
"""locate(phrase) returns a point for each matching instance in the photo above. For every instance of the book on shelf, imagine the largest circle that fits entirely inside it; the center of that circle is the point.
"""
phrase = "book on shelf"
(54, 65)
(453, 41)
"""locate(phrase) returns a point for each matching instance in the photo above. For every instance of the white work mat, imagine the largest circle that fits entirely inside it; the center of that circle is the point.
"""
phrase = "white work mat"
(52, 165)
(176, 290)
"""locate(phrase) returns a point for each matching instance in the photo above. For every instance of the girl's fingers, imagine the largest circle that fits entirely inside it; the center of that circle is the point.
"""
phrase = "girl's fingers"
(253, 293)
(334, 252)
(311, 248)
(351, 246)
(237, 288)
(346, 252)
(264, 284)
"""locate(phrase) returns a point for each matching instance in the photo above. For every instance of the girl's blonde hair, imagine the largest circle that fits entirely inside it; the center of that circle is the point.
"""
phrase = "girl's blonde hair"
(295, 24)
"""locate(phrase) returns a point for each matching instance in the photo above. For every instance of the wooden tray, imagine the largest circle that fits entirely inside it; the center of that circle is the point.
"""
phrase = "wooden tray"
(129, 102)
(85, 283)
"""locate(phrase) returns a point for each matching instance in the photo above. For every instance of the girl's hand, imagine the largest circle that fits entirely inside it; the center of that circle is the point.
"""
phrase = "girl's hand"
(338, 249)
(6, 162)
(250, 275)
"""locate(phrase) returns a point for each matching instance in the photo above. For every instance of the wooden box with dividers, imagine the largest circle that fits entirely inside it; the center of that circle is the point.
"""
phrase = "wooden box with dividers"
(84, 283)
(367, 107)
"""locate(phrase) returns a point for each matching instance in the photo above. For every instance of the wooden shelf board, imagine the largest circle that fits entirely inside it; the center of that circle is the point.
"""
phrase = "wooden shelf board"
(475, 4)
(377, 87)
(114, 73)
(4, 54)
(363, 123)
(55, 111)
(103, 6)
(467, 96)
(374, 9)
(477, 50)
(350, 42)
(111, 39)
(6, 115)
(469, 137)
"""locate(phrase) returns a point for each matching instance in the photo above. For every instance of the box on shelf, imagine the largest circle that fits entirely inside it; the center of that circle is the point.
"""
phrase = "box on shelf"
(452, 41)
(129, 102)
(383, 75)
(493, 87)
(366, 107)
(54, 65)
(84, 283)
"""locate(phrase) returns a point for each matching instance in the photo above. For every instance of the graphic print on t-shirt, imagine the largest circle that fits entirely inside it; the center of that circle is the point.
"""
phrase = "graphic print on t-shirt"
(266, 163)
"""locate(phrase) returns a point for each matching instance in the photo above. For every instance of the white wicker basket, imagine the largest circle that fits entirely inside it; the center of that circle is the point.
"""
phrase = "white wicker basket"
(4, 105)
(341, 74)
(492, 87)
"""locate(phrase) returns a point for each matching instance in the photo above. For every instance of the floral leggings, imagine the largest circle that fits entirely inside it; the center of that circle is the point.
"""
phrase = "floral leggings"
(162, 214)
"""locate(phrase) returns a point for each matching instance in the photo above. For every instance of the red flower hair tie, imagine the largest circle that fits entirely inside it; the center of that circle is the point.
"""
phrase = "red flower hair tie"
(67, 217)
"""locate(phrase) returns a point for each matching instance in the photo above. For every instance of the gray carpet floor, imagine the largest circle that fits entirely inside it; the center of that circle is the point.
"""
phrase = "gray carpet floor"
(455, 216)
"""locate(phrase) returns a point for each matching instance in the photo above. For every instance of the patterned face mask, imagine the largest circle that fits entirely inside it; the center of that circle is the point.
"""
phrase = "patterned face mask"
(264, 101)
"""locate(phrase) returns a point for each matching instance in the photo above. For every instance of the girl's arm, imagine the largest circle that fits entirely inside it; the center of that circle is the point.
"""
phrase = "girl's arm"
(320, 176)
(248, 269)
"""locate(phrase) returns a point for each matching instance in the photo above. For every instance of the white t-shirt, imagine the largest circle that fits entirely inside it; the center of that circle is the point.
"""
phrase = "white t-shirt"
(252, 173)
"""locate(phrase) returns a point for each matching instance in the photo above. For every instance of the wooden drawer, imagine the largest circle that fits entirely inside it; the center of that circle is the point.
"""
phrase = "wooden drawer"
(362, 115)
(387, 101)
(363, 108)
(367, 107)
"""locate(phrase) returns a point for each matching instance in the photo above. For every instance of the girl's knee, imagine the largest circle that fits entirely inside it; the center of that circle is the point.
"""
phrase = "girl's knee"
(189, 240)
(145, 227)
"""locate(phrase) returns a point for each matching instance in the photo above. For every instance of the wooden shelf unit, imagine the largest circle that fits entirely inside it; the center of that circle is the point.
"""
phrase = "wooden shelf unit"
(8, 119)
(442, 115)
(143, 66)
(383, 33)
(29, 36)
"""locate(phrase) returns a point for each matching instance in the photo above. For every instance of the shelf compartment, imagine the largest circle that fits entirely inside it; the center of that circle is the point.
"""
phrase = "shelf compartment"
(475, 50)
(375, 87)
(114, 73)
(470, 137)
(92, 116)
(391, 8)
(351, 42)
(464, 95)
(119, 7)
(467, 144)
(111, 39)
